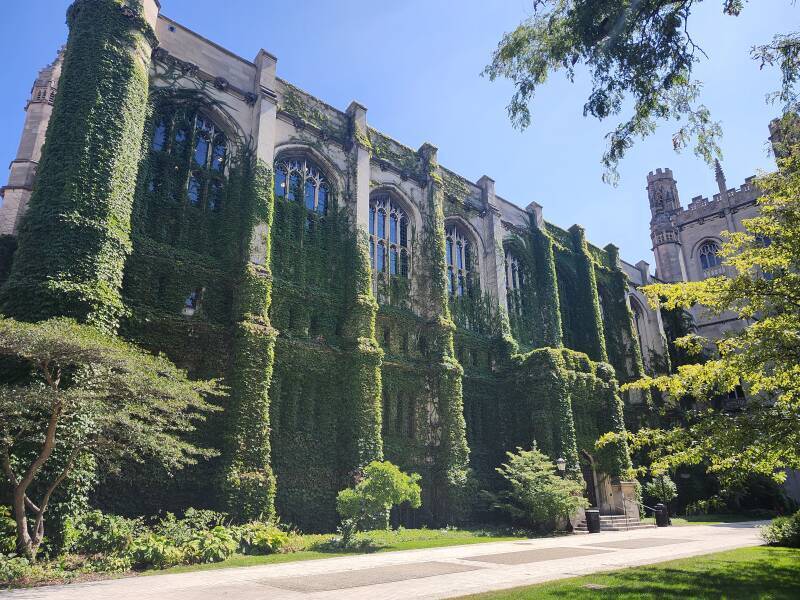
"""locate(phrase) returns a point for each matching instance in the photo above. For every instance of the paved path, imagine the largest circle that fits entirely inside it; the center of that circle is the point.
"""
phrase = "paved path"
(419, 574)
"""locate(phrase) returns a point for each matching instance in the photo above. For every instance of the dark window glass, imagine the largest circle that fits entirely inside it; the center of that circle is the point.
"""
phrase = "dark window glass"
(404, 263)
(381, 257)
(218, 154)
(467, 256)
(381, 224)
(393, 229)
(201, 150)
(452, 280)
(403, 232)
(372, 220)
(393, 261)
(309, 194)
(280, 183)
(194, 190)
(459, 255)
(372, 253)
(322, 200)
(160, 135)
(294, 187)
(215, 196)
(449, 246)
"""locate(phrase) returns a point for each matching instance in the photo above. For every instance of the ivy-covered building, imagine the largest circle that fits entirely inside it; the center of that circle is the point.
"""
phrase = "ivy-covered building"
(359, 299)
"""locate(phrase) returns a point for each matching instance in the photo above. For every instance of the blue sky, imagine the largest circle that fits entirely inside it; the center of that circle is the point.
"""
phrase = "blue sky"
(415, 65)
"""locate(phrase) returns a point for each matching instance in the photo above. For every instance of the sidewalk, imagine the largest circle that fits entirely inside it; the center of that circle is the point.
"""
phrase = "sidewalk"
(420, 574)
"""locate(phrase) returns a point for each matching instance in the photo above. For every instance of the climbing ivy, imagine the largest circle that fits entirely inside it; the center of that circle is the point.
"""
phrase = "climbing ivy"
(75, 236)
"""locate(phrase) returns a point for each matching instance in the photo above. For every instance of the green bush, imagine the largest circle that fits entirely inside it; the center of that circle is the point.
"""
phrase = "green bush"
(711, 506)
(783, 531)
(261, 538)
(214, 545)
(194, 522)
(536, 495)
(111, 563)
(367, 504)
(13, 567)
(8, 531)
(154, 550)
(662, 488)
(95, 532)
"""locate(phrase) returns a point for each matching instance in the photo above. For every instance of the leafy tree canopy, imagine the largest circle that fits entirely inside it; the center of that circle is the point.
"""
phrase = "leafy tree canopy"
(761, 435)
(640, 50)
(87, 393)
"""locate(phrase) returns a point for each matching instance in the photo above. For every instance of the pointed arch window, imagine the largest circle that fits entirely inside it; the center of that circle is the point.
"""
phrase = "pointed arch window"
(390, 251)
(709, 255)
(459, 255)
(198, 148)
(300, 180)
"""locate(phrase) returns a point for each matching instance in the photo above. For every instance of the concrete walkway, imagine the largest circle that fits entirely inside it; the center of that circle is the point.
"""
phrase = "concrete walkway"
(435, 573)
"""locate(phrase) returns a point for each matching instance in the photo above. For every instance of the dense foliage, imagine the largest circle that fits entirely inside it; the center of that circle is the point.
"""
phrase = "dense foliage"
(761, 436)
(367, 504)
(639, 51)
(662, 488)
(87, 394)
(537, 495)
(783, 531)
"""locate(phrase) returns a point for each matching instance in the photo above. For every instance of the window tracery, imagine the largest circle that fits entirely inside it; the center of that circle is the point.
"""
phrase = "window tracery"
(709, 255)
(390, 251)
(460, 258)
(300, 180)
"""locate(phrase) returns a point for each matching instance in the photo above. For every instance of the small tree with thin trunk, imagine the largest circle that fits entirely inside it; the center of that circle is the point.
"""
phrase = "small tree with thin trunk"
(87, 393)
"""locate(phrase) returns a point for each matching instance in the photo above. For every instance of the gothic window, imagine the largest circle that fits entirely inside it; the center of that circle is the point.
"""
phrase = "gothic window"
(709, 255)
(388, 237)
(199, 150)
(300, 180)
(459, 254)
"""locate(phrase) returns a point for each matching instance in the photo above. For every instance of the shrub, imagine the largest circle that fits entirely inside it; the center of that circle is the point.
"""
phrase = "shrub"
(112, 563)
(194, 522)
(8, 531)
(262, 538)
(214, 545)
(536, 495)
(154, 550)
(13, 567)
(783, 531)
(663, 489)
(95, 532)
(368, 503)
(710, 506)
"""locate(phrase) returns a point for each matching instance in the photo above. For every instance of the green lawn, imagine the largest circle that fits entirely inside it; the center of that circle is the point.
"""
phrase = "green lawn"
(313, 547)
(705, 520)
(761, 572)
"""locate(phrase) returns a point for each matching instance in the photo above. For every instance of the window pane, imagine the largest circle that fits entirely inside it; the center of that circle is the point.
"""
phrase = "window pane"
(381, 258)
(381, 224)
(393, 229)
(201, 150)
(403, 232)
(309, 194)
(322, 200)
(372, 253)
(467, 256)
(451, 281)
(460, 285)
(449, 247)
(194, 191)
(403, 263)
(181, 135)
(160, 136)
(460, 255)
(214, 196)
(218, 154)
(393, 261)
(372, 220)
(280, 183)
(294, 187)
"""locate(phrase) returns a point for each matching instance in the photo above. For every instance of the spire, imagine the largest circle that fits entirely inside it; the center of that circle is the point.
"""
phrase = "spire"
(723, 186)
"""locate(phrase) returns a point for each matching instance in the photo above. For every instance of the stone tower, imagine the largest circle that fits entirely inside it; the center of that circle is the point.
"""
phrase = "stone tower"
(23, 168)
(662, 191)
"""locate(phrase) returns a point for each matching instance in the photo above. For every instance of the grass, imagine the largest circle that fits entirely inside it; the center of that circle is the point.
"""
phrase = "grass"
(318, 546)
(705, 520)
(761, 572)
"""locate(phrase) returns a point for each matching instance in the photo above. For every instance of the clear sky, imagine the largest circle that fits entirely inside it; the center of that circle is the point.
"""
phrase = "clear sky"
(415, 65)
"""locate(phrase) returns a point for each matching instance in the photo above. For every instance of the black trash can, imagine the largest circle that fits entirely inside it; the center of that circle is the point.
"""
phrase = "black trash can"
(593, 520)
(662, 516)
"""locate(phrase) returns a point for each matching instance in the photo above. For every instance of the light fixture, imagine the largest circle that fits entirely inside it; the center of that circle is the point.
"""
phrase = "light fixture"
(561, 464)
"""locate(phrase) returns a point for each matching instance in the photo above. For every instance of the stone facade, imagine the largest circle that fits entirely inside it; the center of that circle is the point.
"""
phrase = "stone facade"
(483, 327)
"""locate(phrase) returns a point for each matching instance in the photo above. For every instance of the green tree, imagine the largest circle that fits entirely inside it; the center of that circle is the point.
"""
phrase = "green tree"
(662, 488)
(368, 503)
(762, 435)
(637, 50)
(536, 495)
(87, 394)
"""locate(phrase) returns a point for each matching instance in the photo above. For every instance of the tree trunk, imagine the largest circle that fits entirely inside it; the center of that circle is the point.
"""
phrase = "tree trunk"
(25, 544)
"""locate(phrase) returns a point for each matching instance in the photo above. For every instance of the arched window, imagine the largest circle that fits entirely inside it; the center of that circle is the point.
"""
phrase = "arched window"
(300, 180)
(197, 144)
(515, 278)
(390, 251)
(460, 258)
(709, 255)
